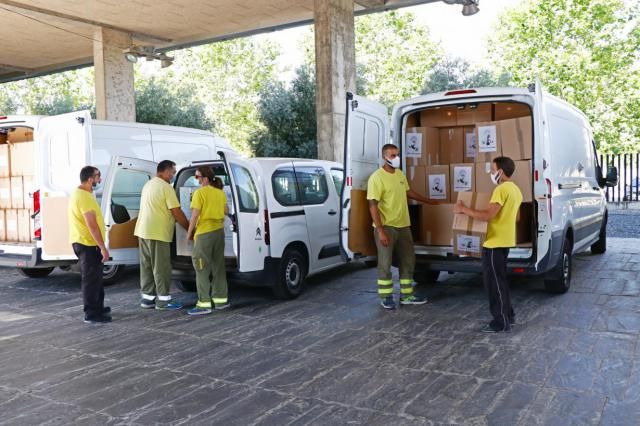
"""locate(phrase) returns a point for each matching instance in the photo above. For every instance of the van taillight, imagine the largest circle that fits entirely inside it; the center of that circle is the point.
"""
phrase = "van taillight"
(549, 201)
(37, 227)
(460, 92)
(3, 117)
(267, 236)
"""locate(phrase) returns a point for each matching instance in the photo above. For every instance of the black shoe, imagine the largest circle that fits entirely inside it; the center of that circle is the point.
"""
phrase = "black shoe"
(97, 319)
(489, 329)
(106, 310)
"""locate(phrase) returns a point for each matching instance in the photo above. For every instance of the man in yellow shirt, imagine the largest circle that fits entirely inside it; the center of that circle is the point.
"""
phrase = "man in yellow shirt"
(159, 211)
(208, 208)
(502, 215)
(86, 235)
(387, 193)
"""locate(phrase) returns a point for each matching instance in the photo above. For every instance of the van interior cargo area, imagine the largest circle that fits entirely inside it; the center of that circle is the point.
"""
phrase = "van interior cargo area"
(448, 151)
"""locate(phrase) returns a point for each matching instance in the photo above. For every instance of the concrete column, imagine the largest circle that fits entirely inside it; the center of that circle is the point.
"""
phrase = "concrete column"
(115, 97)
(335, 73)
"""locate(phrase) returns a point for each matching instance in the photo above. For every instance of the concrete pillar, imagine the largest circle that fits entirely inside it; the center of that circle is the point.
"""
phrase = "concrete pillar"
(115, 97)
(335, 73)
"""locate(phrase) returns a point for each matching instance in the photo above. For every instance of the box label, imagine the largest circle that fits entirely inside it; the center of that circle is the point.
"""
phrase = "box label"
(437, 187)
(470, 147)
(462, 176)
(414, 145)
(488, 139)
(468, 243)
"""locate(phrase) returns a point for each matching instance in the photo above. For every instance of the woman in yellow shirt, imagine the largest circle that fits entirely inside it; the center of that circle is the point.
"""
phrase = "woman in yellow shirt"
(206, 228)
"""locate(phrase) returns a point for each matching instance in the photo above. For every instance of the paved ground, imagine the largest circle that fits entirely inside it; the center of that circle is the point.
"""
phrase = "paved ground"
(624, 220)
(331, 357)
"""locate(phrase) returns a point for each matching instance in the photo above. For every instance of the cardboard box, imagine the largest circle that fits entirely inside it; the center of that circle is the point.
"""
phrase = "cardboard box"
(471, 116)
(451, 145)
(5, 161)
(470, 144)
(5, 193)
(422, 145)
(3, 227)
(413, 120)
(483, 177)
(17, 193)
(462, 178)
(489, 141)
(516, 135)
(469, 234)
(439, 117)
(361, 238)
(522, 178)
(436, 225)
(24, 226)
(524, 224)
(11, 224)
(28, 188)
(438, 183)
(22, 159)
(20, 134)
(507, 110)
(417, 176)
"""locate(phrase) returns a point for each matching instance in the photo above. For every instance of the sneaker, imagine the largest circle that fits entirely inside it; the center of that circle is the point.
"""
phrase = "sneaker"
(413, 300)
(99, 319)
(388, 303)
(147, 304)
(488, 329)
(199, 311)
(170, 306)
(222, 306)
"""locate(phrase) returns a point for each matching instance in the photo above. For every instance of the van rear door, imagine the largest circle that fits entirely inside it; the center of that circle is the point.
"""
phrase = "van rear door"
(367, 130)
(62, 149)
(543, 185)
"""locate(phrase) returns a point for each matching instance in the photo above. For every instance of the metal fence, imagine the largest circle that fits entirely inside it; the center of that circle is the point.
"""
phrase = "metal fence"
(628, 188)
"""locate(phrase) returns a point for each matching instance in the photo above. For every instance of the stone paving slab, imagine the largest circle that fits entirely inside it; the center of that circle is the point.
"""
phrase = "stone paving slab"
(331, 357)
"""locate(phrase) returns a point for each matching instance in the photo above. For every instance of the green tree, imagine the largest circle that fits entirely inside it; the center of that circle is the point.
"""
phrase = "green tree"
(586, 52)
(288, 113)
(457, 73)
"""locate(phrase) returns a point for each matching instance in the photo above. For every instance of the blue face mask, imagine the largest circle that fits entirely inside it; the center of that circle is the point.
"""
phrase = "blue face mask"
(173, 180)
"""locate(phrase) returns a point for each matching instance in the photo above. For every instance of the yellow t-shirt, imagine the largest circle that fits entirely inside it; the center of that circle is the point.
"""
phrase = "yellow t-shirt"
(210, 201)
(82, 202)
(501, 231)
(390, 190)
(155, 221)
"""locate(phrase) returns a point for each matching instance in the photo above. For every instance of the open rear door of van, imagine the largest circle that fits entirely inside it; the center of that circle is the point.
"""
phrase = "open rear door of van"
(367, 130)
(62, 149)
(121, 204)
(543, 186)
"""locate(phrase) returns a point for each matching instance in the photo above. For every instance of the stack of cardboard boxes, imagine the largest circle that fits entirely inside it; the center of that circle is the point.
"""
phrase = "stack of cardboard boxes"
(16, 185)
(449, 158)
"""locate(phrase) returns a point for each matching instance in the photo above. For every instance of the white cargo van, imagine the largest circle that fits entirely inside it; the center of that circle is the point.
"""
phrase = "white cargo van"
(284, 221)
(569, 212)
(60, 146)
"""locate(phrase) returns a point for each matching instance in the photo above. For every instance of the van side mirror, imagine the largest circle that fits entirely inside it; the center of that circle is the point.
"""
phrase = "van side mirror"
(612, 176)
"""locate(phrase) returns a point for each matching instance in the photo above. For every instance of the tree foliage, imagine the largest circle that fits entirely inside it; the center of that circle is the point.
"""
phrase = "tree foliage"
(586, 52)
(457, 73)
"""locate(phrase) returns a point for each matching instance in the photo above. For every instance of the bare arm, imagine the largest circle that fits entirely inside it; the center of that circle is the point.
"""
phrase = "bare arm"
(377, 220)
(485, 215)
(179, 216)
(92, 223)
(416, 196)
(195, 214)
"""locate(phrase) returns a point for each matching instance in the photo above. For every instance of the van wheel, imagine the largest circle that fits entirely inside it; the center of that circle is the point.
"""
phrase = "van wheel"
(426, 277)
(186, 286)
(561, 284)
(111, 274)
(291, 273)
(600, 246)
(35, 272)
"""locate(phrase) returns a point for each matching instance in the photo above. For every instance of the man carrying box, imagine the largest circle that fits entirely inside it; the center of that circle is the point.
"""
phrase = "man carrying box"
(501, 215)
(387, 193)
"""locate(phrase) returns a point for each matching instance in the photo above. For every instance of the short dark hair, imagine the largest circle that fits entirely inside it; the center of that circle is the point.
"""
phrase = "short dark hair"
(217, 182)
(387, 147)
(88, 172)
(164, 165)
(206, 171)
(506, 164)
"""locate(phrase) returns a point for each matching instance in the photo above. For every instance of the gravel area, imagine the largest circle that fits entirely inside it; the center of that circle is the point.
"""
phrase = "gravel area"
(624, 222)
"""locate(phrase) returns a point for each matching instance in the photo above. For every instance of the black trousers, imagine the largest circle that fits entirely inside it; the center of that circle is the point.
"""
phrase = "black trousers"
(90, 261)
(494, 266)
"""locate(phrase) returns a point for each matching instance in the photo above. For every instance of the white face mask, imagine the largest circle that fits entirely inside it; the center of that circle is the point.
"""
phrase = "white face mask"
(395, 162)
(495, 178)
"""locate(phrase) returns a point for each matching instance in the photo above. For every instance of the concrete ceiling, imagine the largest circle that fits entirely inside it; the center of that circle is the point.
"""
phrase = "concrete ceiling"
(44, 36)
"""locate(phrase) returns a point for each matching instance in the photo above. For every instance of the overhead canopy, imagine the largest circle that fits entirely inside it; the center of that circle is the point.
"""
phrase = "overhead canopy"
(44, 36)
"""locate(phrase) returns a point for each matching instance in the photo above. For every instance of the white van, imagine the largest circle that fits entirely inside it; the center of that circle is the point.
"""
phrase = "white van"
(283, 226)
(125, 153)
(568, 203)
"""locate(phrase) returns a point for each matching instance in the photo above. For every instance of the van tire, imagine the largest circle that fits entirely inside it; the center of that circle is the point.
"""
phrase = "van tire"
(35, 272)
(600, 246)
(561, 282)
(186, 286)
(111, 274)
(292, 271)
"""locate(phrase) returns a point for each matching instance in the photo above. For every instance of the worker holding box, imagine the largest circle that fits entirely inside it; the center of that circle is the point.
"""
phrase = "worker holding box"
(387, 193)
(501, 215)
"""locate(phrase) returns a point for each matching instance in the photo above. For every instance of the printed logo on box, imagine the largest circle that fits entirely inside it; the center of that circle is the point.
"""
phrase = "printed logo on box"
(488, 139)
(437, 187)
(470, 147)
(462, 178)
(414, 145)
(469, 243)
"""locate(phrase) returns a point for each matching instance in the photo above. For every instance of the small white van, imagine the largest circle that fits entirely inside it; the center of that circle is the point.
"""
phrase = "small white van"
(125, 153)
(283, 224)
(568, 202)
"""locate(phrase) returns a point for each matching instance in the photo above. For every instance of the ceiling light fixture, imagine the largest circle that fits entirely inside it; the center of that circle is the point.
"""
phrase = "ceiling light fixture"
(469, 7)
(149, 53)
